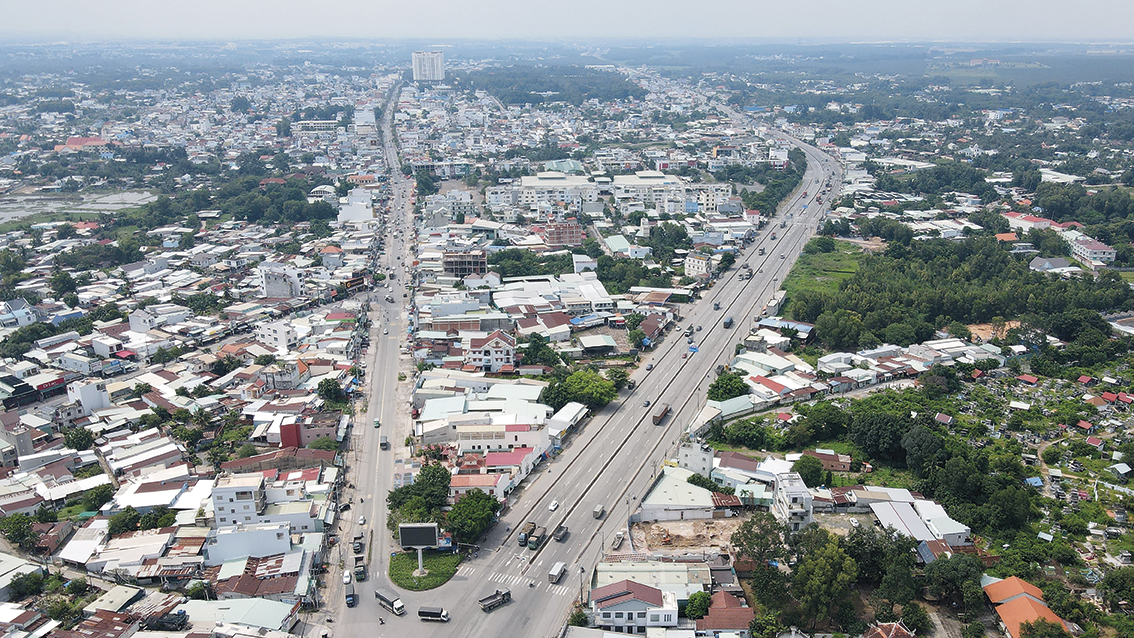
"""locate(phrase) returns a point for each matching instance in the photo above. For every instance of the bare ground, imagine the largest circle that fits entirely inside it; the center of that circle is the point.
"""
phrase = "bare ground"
(684, 535)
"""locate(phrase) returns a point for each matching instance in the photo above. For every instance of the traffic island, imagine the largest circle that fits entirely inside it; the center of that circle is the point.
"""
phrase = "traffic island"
(439, 568)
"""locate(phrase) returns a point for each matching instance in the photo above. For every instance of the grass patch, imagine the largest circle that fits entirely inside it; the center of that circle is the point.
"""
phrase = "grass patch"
(823, 272)
(1127, 275)
(441, 567)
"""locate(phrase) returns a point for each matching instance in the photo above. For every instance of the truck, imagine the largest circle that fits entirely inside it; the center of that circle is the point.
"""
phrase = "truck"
(599, 511)
(360, 568)
(390, 601)
(689, 331)
(492, 601)
(557, 571)
(536, 538)
(661, 413)
(560, 533)
(433, 614)
(727, 322)
(526, 531)
(618, 538)
(351, 599)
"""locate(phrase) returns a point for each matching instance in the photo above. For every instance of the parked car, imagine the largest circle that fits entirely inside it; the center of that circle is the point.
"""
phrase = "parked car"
(649, 366)
(361, 520)
(346, 578)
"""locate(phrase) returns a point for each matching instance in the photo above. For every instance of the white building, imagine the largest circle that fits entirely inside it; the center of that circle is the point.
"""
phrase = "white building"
(792, 502)
(697, 264)
(428, 66)
(279, 335)
(247, 541)
(277, 281)
(92, 395)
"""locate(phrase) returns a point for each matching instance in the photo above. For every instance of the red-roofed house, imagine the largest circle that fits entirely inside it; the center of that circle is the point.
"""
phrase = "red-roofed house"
(491, 484)
(1088, 381)
(491, 353)
(1028, 379)
(726, 613)
(1024, 609)
(1096, 443)
(1011, 588)
(1086, 427)
(888, 630)
(630, 607)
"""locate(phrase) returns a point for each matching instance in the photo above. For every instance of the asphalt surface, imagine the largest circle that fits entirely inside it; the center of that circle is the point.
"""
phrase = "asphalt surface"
(611, 461)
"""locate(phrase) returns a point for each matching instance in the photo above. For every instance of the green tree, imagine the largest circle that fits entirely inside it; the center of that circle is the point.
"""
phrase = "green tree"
(78, 438)
(77, 587)
(698, 605)
(946, 577)
(924, 448)
(30, 584)
(708, 484)
(97, 496)
(44, 514)
(245, 451)
(916, 618)
(17, 528)
(636, 338)
(727, 261)
(728, 385)
(810, 469)
(141, 389)
(330, 390)
(323, 443)
(537, 352)
(240, 104)
(471, 515)
(201, 590)
(265, 360)
(578, 618)
(761, 538)
(765, 625)
(822, 244)
(62, 282)
(1041, 628)
(823, 580)
(1117, 586)
(125, 521)
(158, 517)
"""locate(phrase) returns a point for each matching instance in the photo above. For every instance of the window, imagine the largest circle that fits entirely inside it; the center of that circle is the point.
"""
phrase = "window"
(244, 495)
(606, 614)
(654, 617)
(641, 614)
(247, 518)
(617, 614)
(245, 507)
(223, 520)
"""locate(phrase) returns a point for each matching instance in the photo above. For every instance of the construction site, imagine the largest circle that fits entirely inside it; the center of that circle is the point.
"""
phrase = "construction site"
(708, 534)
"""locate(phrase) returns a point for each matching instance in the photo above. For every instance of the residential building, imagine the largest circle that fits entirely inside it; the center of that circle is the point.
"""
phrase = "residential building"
(493, 353)
(428, 66)
(791, 503)
(698, 265)
(278, 335)
(630, 607)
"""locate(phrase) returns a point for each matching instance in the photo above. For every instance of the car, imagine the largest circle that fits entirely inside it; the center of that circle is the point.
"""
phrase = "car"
(385, 331)
(649, 366)
(346, 578)
(689, 340)
(554, 506)
(645, 404)
(698, 328)
(684, 355)
(377, 424)
(854, 522)
(404, 294)
(361, 520)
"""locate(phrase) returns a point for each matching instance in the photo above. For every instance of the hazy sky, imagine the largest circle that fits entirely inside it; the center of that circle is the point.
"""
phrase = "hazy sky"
(843, 20)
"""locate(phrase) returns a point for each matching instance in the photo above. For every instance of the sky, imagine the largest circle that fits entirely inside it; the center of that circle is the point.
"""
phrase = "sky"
(828, 20)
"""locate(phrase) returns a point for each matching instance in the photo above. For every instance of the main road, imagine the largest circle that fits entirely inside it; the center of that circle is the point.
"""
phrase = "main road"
(611, 462)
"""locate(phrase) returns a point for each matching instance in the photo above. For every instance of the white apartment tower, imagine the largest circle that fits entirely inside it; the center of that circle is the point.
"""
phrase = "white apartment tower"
(428, 66)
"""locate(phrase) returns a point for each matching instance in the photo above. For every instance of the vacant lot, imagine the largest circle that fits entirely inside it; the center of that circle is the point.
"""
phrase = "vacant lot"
(823, 272)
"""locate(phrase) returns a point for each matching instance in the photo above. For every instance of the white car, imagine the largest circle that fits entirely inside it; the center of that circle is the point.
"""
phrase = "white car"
(554, 506)
(361, 520)
(385, 331)
(346, 578)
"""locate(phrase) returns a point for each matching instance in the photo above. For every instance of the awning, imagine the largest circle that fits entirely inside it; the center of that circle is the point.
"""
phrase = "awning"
(125, 354)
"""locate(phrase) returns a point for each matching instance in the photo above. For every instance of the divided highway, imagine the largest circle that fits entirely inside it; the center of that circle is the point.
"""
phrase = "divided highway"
(610, 462)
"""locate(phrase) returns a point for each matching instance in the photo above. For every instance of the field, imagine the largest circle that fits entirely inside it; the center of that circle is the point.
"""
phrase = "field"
(823, 272)
(440, 565)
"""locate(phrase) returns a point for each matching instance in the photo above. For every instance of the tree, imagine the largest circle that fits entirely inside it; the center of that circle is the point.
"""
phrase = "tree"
(822, 244)
(1043, 629)
(924, 449)
(578, 618)
(471, 515)
(823, 580)
(125, 521)
(618, 377)
(323, 443)
(77, 587)
(879, 435)
(97, 496)
(708, 484)
(538, 352)
(44, 514)
(1118, 585)
(78, 439)
(201, 590)
(163, 356)
(62, 282)
(698, 605)
(727, 260)
(761, 538)
(141, 389)
(283, 128)
(247, 450)
(810, 469)
(158, 517)
(636, 338)
(728, 385)
(17, 528)
(946, 577)
(62, 610)
(29, 584)
(240, 104)
(766, 625)
(915, 618)
(330, 390)
(265, 360)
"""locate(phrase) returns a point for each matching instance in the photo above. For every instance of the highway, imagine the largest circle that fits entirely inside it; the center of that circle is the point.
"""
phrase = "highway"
(611, 461)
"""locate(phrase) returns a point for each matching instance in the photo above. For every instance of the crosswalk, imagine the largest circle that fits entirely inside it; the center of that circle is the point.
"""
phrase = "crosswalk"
(514, 580)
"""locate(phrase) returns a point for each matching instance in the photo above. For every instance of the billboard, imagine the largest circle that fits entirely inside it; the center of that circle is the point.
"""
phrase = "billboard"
(418, 535)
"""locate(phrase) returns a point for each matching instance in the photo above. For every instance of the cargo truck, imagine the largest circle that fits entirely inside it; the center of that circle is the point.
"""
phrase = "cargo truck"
(390, 601)
(536, 538)
(727, 322)
(662, 411)
(525, 531)
(434, 614)
(560, 533)
(488, 603)
(557, 571)
(360, 568)
(618, 538)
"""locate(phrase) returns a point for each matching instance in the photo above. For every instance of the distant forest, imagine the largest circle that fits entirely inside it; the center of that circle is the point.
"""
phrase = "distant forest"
(539, 85)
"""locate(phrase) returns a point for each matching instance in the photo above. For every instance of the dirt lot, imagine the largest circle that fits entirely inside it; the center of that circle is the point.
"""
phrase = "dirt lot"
(684, 535)
(841, 523)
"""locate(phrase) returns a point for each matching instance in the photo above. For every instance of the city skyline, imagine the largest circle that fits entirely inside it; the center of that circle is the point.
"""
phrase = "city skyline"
(827, 20)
